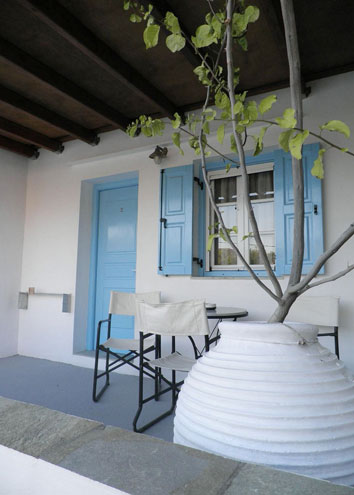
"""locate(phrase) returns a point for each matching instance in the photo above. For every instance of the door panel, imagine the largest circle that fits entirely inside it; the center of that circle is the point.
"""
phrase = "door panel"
(116, 254)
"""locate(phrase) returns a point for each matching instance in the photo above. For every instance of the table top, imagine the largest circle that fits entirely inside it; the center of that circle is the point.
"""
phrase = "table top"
(225, 312)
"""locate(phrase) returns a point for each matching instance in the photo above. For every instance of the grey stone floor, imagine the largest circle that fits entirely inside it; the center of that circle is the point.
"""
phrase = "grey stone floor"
(138, 464)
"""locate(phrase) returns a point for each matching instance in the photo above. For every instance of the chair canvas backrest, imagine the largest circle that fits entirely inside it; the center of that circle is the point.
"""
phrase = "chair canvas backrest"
(124, 303)
(317, 310)
(182, 318)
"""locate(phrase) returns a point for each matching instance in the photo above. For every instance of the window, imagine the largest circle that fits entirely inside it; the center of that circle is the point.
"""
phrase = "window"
(228, 193)
(185, 215)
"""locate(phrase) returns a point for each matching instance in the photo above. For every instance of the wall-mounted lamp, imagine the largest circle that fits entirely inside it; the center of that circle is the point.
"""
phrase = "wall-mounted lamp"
(159, 154)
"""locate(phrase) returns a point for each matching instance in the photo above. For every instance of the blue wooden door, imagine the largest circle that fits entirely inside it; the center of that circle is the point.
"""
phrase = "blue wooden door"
(116, 254)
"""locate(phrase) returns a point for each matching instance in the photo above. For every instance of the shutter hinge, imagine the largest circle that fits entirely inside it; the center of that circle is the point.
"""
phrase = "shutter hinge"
(199, 182)
(315, 209)
(198, 261)
(164, 221)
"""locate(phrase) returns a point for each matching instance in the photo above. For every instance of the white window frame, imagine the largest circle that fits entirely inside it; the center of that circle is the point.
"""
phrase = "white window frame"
(242, 214)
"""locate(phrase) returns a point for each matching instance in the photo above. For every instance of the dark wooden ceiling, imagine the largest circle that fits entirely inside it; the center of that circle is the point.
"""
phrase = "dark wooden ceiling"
(71, 69)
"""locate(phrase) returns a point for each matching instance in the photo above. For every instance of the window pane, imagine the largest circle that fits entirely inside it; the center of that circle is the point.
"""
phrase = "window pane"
(264, 213)
(261, 185)
(229, 215)
(269, 244)
(225, 190)
(223, 254)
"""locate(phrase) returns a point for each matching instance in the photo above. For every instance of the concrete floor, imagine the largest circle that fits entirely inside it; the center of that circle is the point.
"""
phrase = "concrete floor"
(66, 388)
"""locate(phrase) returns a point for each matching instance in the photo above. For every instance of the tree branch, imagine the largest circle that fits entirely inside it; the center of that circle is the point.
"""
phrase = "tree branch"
(241, 154)
(217, 210)
(288, 14)
(328, 279)
(314, 134)
(342, 239)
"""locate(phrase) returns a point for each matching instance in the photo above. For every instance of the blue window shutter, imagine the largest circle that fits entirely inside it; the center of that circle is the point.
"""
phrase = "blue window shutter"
(284, 210)
(176, 221)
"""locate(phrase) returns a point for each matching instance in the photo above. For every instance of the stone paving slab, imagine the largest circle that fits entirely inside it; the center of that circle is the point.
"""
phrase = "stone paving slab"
(140, 464)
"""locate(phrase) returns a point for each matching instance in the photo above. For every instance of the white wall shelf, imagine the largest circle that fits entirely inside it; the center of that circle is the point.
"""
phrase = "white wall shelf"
(23, 299)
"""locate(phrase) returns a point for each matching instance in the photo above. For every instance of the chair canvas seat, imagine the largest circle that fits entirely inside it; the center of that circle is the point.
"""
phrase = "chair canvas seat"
(174, 361)
(127, 344)
(168, 320)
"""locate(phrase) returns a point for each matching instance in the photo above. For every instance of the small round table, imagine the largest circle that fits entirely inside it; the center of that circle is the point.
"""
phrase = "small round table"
(223, 313)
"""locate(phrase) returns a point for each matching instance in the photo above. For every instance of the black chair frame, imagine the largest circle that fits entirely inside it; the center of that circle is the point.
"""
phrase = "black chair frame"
(335, 335)
(119, 360)
(172, 385)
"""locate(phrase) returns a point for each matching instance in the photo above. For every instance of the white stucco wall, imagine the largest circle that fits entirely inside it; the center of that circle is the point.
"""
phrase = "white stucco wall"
(52, 226)
(13, 175)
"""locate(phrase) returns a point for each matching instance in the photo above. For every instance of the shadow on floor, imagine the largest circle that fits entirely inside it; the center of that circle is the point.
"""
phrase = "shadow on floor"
(68, 389)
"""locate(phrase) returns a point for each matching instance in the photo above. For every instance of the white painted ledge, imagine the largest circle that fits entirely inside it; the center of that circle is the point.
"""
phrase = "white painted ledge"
(22, 474)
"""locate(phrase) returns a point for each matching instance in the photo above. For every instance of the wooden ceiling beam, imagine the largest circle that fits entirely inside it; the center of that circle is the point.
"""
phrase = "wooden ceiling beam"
(43, 73)
(332, 71)
(70, 28)
(21, 103)
(16, 130)
(160, 10)
(19, 148)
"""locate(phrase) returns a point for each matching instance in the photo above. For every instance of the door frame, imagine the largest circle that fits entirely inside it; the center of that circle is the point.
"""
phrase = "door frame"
(90, 334)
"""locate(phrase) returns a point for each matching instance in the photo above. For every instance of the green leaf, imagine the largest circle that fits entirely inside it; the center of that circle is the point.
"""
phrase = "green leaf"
(238, 107)
(202, 72)
(151, 36)
(241, 21)
(252, 13)
(209, 114)
(296, 142)
(220, 133)
(317, 169)
(135, 18)
(172, 24)
(243, 43)
(338, 126)
(251, 111)
(344, 150)
(206, 127)
(204, 36)
(284, 138)
(157, 127)
(241, 96)
(287, 121)
(227, 168)
(222, 235)
(234, 229)
(146, 131)
(148, 11)
(126, 5)
(175, 42)
(177, 122)
(240, 129)
(211, 237)
(132, 128)
(176, 139)
(236, 78)
(267, 103)
(217, 25)
(222, 100)
(259, 141)
(233, 146)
